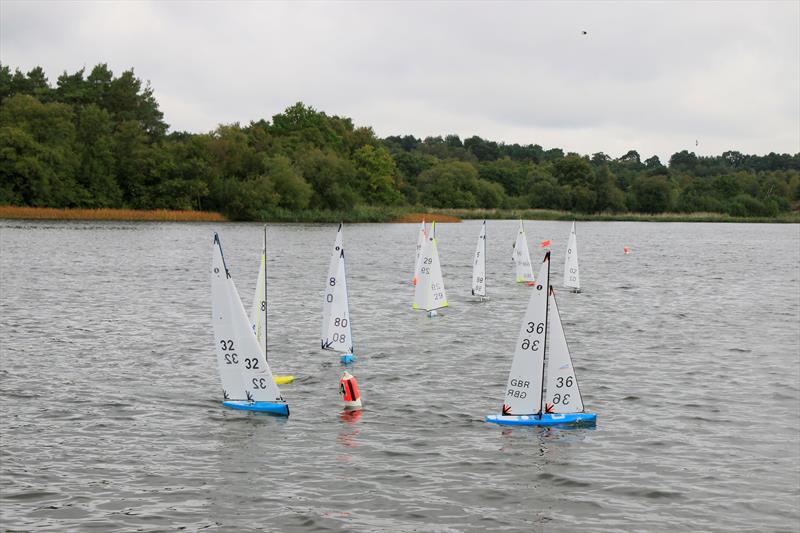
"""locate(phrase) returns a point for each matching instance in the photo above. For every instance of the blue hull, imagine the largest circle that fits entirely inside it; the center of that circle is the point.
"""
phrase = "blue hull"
(543, 420)
(347, 358)
(260, 407)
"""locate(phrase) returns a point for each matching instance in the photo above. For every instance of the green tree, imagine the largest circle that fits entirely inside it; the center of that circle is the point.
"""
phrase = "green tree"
(571, 170)
(376, 176)
(332, 177)
(293, 191)
(653, 194)
(96, 170)
(449, 184)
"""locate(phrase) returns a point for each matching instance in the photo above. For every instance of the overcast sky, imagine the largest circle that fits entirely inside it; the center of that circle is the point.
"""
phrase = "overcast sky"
(654, 77)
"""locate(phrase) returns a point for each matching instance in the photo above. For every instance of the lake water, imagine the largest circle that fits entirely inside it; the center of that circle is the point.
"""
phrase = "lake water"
(688, 349)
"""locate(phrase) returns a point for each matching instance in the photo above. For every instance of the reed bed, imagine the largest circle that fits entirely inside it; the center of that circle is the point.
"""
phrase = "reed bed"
(427, 217)
(548, 214)
(51, 213)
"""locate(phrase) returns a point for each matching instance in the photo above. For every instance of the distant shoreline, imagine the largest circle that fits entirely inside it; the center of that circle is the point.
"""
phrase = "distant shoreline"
(363, 214)
(52, 213)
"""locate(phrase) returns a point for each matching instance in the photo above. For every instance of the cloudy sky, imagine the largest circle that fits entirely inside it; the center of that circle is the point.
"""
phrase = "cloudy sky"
(657, 77)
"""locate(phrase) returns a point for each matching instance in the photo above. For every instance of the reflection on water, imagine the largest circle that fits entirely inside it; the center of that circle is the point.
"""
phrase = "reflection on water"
(109, 395)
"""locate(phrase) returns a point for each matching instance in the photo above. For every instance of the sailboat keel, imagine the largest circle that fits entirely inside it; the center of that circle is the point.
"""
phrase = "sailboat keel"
(551, 419)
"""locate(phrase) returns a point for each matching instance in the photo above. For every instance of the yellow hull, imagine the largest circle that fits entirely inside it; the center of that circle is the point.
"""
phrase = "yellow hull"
(283, 380)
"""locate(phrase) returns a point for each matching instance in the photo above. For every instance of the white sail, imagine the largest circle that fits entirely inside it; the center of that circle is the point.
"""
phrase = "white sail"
(336, 332)
(522, 258)
(258, 311)
(333, 268)
(242, 366)
(524, 387)
(562, 393)
(479, 265)
(429, 292)
(572, 279)
(421, 238)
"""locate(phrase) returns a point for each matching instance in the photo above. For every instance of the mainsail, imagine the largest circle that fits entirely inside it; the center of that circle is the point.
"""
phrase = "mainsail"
(572, 279)
(524, 387)
(421, 238)
(258, 312)
(521, 257)
(479, 265)
(336, 331)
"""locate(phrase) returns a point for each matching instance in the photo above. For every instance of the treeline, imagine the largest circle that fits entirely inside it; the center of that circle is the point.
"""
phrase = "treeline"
(100, 140)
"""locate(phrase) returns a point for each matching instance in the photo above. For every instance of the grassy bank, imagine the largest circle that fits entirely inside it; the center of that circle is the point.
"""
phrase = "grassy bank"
(375, 214)
(546, 214)
(49, 213)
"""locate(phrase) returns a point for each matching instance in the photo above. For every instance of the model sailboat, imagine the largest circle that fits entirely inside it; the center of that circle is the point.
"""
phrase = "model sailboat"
(527, 402)
(521, 257)
(337, 334)
(258, 312)
(479, 265)
(429, 293)
(572, 278)
(247, 381)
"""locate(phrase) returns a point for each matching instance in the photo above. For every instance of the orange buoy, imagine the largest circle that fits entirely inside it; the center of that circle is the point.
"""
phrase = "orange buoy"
(348, 388)
(626, 250)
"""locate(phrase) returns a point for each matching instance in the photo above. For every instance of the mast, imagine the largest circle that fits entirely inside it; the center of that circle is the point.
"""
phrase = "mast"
(266, 356)
(543, 406)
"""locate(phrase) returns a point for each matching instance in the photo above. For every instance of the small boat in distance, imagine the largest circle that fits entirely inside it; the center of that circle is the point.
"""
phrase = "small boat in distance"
(527, 402)
(429, 293)
(572, 278)
(258, 312)
(479, 266)
(337, 334)
(522, 257)
(247, 381)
